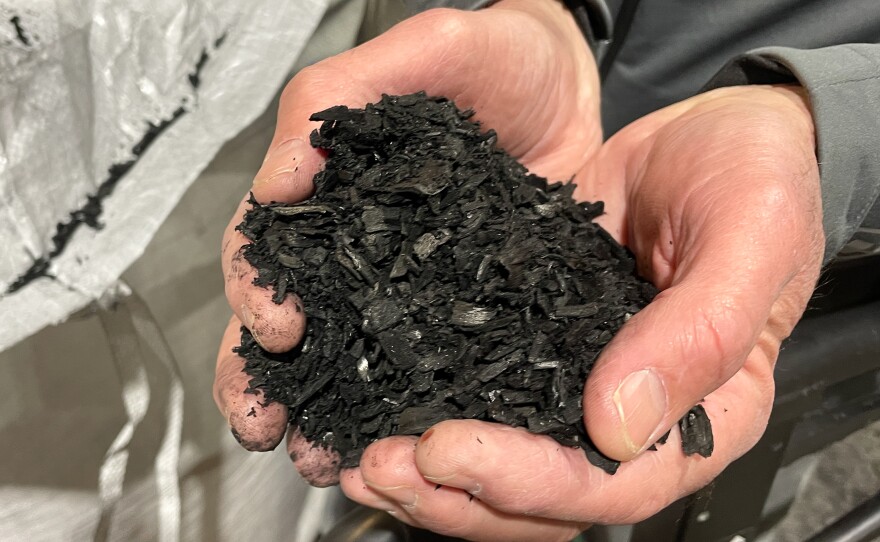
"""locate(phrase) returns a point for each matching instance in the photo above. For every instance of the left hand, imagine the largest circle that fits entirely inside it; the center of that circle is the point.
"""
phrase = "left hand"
(546, 116)
(718, 197)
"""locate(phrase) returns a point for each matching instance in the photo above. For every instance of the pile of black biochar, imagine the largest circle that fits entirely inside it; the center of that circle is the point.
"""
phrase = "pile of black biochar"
(440, 280)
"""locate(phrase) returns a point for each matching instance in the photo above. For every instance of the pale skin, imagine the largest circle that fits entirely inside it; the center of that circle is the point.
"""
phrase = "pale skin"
(717, 196)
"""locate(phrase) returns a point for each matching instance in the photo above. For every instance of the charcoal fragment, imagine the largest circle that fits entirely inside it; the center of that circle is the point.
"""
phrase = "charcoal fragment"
(696, 432)
(434, 361)
(416, 420)
(296, 210)
(381, 314)
(578, 311)
(398, 350)
(290, 261)
(440, 280)
(600, 460)
(429, 242)
(467, 314)
(421, 382)
(373, 425)
(543, 423)
(493, 370)
(515, 397)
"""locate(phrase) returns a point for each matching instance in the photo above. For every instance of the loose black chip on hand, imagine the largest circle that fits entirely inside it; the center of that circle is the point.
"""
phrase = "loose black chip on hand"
(440, 280)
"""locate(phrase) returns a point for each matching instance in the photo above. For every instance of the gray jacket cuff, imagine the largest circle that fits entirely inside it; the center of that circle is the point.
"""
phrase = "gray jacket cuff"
(416, 6)
(843, 83)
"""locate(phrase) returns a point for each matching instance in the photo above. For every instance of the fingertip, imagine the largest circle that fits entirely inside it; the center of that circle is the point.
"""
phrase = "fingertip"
(319, 466)
(257, 425)
(287, 172)
(389, 462)
(276, 327)
(260, 428)
(351, 482)
(458, 453)
(680, 348)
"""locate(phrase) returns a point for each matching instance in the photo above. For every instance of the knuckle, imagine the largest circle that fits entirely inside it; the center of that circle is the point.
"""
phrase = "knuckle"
(723, 331)
(385, 462)
(309, 83)
(775, 204)
(451, 25)
(228, 385)
(238, 271)
(621, 508)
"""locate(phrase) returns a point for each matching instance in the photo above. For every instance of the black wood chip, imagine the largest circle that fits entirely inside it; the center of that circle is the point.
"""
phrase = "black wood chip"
(696, 432)
(440, 280)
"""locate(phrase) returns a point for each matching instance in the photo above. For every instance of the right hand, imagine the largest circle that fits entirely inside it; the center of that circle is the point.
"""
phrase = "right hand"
(522, 65)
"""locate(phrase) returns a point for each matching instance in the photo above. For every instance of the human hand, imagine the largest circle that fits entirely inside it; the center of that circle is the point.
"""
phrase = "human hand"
(718, 197)
(547, 116)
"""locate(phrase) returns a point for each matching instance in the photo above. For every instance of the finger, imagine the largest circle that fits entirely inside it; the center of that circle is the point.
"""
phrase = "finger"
(276, 327)
(516, 472)
(319, 466)
(457, 58)
(685, 344)
(389, 480)
(353, 485)
(257, 427)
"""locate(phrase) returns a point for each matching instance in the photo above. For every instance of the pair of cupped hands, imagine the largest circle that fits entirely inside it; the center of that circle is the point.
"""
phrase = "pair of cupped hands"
(717, 196)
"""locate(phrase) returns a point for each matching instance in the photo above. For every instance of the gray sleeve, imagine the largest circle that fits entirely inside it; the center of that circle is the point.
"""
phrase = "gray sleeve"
(416, 6)
(843, 83)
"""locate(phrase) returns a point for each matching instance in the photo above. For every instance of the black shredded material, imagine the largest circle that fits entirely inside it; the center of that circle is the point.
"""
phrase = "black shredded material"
(696, 432)
(195, 78)
(19, 30)
(440, 280)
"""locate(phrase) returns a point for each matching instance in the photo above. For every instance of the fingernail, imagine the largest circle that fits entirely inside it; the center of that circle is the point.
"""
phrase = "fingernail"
(281, 160)
(404, 496)
(248, 319)
(641, 404)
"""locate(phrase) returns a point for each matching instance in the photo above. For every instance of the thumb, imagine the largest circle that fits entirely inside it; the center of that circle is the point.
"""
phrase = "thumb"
(725, 211)
(686, 343)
